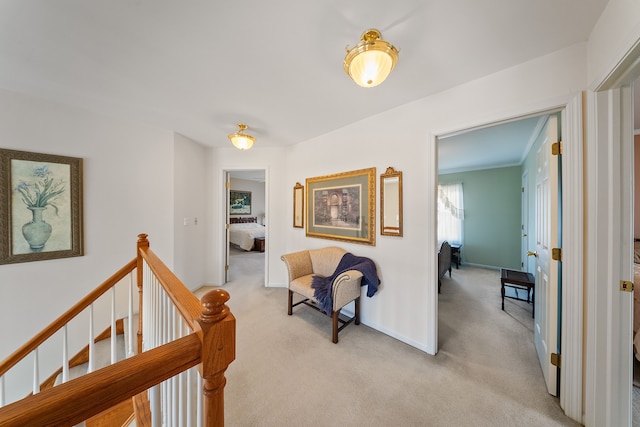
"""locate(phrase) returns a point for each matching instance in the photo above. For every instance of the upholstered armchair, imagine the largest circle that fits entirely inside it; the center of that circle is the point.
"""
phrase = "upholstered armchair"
(344, 288)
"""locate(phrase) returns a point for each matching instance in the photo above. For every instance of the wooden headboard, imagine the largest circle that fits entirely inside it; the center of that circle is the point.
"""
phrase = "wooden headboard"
(243, 219)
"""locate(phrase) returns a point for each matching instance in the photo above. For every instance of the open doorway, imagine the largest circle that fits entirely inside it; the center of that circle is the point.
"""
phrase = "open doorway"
(246, 243)
(498, 166)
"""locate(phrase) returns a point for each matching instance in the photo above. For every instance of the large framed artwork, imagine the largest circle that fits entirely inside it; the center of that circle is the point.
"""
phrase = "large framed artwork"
(40, 206)
(343, 206)
(239, 202)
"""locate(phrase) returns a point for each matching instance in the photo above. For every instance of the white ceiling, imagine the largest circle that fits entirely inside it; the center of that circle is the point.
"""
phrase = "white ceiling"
(199, 67)
(489, 147)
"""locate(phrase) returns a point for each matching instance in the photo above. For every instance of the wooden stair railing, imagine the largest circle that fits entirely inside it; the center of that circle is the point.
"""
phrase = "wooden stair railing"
(211, 345)
(57, 324)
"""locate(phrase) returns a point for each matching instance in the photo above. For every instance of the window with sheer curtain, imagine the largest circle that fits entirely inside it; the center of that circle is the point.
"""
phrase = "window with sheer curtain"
(450, 213)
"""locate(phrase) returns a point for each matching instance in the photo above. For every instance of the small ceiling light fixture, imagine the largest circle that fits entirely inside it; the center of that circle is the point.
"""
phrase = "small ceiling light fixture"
(241, 140)
(370, 61)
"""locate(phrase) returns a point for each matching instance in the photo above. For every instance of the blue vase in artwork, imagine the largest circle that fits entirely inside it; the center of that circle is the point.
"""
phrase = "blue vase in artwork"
(36, 232)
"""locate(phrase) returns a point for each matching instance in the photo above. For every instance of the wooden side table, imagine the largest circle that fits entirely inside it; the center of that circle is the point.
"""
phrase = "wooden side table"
(258, 244)
(518, 280)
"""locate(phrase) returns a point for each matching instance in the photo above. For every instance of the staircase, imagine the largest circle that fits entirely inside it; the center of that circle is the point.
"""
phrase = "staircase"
(180, 332)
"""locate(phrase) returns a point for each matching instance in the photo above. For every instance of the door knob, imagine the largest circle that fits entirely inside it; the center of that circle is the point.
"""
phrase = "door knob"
(534, 253)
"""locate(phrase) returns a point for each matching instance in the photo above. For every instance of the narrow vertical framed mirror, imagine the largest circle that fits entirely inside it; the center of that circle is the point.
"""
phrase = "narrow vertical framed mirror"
(391, 203)
(298, 205)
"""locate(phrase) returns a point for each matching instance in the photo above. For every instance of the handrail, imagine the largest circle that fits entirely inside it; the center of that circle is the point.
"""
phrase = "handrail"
(210, 343)
(79, 399)
(185, 301)
(57, 324)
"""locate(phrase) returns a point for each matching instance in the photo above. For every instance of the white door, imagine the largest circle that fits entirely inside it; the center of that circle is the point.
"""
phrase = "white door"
(546, 287)
(524, 265)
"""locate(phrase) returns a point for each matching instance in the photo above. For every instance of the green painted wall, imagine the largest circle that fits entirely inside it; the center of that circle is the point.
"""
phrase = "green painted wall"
(492, 204)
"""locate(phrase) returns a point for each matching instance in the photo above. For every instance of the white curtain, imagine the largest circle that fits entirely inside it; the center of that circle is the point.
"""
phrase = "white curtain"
(450, 213)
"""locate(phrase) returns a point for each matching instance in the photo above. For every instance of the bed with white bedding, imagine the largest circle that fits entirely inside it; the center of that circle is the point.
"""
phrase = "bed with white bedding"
(243, 232)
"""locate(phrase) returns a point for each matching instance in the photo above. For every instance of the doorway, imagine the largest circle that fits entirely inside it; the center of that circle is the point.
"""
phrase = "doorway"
(245, 249)
(571, 377)
(492, 164)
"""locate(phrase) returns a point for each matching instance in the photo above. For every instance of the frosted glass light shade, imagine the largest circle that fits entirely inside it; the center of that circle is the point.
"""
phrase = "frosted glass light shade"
(370, 62)
(241, 140)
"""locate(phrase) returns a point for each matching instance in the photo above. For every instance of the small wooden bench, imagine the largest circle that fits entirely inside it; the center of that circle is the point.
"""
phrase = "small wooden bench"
(518, 280)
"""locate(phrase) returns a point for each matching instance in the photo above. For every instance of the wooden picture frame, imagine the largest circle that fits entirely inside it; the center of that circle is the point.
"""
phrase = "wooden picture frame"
(343, 206)
(239, 202)
(298, 206)
(41, 207)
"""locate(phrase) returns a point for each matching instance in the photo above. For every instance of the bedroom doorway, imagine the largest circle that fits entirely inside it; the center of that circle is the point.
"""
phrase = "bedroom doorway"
(246, 209)
(498, 156)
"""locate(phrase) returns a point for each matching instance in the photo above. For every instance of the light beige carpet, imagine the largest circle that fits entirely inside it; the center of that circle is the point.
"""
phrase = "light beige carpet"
(287, 371)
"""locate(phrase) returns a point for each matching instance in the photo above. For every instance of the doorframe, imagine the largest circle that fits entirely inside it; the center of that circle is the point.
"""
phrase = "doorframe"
(572, 224)
(224, 219)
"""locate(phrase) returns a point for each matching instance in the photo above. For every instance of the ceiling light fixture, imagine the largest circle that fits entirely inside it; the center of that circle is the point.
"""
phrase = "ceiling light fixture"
(370, 61)
(241, 140)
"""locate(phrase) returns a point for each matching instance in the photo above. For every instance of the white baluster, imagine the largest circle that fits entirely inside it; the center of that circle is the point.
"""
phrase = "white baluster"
(154, 406)
(199, 405)
(65, 355)
(190, 401)
(113, 326)
(91, 366)
(2, 401)
(36, 372)
(130, 351)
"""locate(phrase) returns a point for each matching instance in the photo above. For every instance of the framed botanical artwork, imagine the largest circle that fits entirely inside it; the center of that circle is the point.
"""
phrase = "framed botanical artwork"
(343, 206)
(298, 205)
(40, 206)
(239, 202)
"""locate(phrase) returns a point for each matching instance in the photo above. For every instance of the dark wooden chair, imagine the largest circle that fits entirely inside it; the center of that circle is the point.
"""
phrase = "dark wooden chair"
(444, 262)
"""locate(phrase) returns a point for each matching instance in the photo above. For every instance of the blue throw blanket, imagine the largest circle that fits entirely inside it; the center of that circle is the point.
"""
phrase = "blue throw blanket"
(322, 285)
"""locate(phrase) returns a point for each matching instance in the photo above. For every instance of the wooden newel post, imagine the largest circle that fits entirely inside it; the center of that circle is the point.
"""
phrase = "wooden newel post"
(218, 351)
(142, 243)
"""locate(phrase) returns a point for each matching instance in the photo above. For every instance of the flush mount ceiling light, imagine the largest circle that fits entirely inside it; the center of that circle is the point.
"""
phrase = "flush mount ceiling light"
(370, 61)
(241, 140)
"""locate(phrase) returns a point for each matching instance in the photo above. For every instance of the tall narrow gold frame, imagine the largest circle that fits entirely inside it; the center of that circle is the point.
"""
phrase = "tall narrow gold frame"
(391, 203)
(298, 205)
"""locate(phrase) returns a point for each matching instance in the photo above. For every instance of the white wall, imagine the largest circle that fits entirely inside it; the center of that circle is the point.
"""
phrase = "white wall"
(128, 170)
(190, 192)
(615, 34)
(278, 206)
(402, 138)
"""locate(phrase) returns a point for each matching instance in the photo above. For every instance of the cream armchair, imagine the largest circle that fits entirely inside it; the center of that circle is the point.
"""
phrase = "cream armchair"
(303, 265)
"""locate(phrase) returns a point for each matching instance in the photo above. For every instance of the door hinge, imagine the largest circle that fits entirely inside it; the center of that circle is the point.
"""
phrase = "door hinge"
(227, 184)
(226, 226)
(556, 359)
(626, 286)
(556, 148)
(556, 254)
(226, 267)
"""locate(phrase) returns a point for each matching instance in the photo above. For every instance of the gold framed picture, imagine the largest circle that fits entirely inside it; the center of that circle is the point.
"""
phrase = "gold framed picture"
(343, 206)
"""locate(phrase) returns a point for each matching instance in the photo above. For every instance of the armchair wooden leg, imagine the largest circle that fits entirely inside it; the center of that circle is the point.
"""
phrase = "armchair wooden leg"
(357, 309)
(334, 318)
(290, 303)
